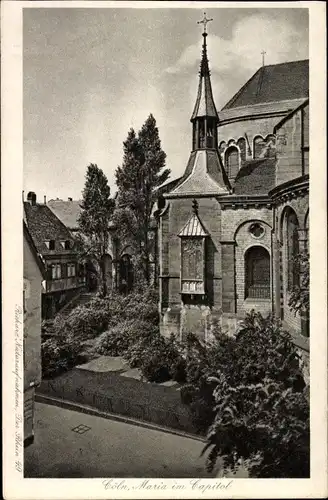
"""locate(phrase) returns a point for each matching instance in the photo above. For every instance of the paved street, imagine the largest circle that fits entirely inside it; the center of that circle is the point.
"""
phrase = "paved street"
(106, 448)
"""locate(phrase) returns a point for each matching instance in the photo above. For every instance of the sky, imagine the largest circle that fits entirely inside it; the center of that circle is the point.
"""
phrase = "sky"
(89, 75)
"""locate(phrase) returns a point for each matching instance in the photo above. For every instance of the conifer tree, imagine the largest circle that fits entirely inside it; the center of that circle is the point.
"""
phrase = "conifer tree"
(142, 172)
(97, 210)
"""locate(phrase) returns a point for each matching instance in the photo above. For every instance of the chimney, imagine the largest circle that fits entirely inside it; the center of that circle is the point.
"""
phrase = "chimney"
(45, 199)
(31, 198)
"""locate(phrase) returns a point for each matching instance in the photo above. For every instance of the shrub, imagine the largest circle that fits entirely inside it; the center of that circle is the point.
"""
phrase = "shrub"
(59, 354)
(159, 359)
(83, 322)
(202, 361)
(261, 412)
(118, 339)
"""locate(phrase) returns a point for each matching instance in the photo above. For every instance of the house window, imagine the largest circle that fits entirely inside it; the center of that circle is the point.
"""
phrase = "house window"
(56, 271)
(257, 273)
(232, 162)
(71, 271)
(50, 244)
(192, 265)
(66, 244)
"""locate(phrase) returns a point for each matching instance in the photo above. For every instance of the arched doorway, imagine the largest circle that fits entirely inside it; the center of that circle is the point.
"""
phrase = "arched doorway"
(257, 273)
(126, 274)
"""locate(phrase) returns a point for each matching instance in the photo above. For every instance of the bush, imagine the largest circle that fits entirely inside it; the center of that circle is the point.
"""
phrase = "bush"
(83, 322)
(202, 362)
(116, 307)
(118, 339)
(159, 359)
(59, 354)
(261, 412)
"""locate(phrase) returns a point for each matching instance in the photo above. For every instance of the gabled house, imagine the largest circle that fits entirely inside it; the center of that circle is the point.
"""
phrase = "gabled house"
(56, 245)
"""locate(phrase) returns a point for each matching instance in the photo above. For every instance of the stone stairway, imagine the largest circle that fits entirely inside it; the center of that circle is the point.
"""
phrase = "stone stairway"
(81, 300)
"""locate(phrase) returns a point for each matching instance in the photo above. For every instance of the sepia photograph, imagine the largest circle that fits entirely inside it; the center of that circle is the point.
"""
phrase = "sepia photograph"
(165, 244)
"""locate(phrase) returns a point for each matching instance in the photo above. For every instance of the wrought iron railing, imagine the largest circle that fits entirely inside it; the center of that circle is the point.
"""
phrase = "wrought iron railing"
(258, 292)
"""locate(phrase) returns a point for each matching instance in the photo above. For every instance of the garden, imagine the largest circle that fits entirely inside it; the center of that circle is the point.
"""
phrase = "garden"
(245, 392)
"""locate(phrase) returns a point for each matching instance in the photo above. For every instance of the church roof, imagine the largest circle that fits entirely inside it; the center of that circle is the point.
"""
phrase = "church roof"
(204, 174)
(193, 227)
(256, 177)
(204, 105)
(273, 83)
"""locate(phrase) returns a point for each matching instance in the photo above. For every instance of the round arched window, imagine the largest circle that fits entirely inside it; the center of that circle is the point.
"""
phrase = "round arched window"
(257, 230)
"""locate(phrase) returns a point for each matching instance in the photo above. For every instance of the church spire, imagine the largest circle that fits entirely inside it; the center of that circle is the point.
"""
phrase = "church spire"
(205, 117)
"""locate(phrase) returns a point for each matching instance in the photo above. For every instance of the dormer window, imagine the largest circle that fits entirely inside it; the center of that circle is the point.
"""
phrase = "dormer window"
(66, 244)
(50, 244)
(193, 255)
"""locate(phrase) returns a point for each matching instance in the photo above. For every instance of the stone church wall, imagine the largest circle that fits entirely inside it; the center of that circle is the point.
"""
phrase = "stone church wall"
(177, 314)
(289, 149)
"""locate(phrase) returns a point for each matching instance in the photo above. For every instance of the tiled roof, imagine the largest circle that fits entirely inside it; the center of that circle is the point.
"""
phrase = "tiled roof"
(256, 177)
(277, 82)
(34, 251)
(204, 174)
(43, 225)
(193, 227)
(66, 211)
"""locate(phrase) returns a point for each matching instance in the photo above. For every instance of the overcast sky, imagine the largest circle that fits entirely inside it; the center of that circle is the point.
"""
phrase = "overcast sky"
(91, 74)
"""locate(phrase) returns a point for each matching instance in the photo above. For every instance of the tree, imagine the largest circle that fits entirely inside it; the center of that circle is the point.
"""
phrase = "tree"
(142, 172)
(261, 411)
(97, 210)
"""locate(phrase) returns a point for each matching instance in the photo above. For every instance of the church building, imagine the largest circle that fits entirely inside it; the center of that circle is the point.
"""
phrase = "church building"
(231, 225)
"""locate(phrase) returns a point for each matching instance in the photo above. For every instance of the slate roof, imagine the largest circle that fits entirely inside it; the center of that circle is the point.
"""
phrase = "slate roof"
(204, 174)
(204, 105)
(43, 225)
(273, 83)
(256, 177)
(194, 227)
(66, 211)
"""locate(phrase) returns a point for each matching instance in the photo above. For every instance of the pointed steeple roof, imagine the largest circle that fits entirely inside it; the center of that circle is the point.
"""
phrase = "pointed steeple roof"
(204, 102)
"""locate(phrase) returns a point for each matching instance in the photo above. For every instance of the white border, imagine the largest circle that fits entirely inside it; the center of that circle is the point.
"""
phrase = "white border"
(15, 486)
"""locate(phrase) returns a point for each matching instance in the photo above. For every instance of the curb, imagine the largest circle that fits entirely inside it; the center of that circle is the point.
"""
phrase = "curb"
(70, 405)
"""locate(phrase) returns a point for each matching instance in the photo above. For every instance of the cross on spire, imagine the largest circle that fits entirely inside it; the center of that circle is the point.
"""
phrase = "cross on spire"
(263, 54)
(204, 21)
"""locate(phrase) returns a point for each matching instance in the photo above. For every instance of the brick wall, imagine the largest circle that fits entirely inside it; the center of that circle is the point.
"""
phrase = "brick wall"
(235, 228)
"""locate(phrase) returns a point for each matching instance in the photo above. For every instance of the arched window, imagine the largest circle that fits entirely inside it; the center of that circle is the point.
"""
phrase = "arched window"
(292, 227)
(242, 148)
(259, 145)
(126, 274)
(257, 273)
(232, 162)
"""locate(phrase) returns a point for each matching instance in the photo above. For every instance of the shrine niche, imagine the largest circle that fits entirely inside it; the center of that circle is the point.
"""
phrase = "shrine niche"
(193, 237)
